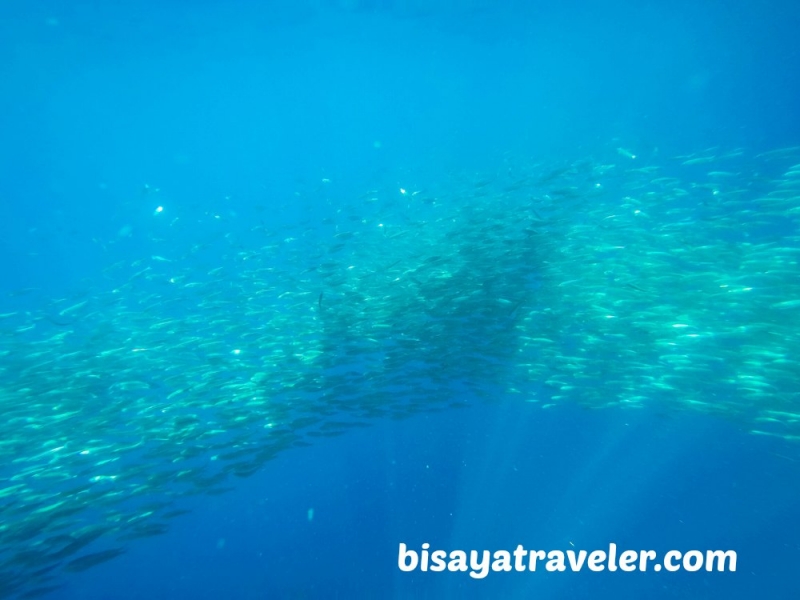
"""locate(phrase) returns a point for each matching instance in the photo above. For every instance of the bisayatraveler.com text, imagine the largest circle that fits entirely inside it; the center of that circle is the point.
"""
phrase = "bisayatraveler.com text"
(479, 563)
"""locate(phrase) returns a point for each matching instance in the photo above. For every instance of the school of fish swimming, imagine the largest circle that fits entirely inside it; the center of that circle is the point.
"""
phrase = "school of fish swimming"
(623, 282)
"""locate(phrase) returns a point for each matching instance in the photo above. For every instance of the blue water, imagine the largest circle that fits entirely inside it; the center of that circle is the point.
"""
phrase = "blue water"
(483, 478)
(229, 108)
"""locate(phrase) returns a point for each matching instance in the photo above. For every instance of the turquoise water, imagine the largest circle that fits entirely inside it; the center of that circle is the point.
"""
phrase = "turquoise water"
(285, 285)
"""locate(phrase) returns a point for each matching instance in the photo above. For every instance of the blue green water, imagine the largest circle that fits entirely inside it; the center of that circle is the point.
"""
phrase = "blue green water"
(238, 115)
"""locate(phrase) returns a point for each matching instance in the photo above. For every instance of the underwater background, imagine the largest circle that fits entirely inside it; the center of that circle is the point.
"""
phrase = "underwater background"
(286, 284)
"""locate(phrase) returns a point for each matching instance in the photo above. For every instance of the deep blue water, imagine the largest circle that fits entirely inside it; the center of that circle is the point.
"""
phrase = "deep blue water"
(483, 478)
(230, 108)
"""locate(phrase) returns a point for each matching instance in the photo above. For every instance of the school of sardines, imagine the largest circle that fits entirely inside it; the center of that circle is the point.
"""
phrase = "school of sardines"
(619, 282)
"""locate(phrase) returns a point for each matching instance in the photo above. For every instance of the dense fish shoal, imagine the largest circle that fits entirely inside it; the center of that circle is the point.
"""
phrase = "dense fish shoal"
(621, 282)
